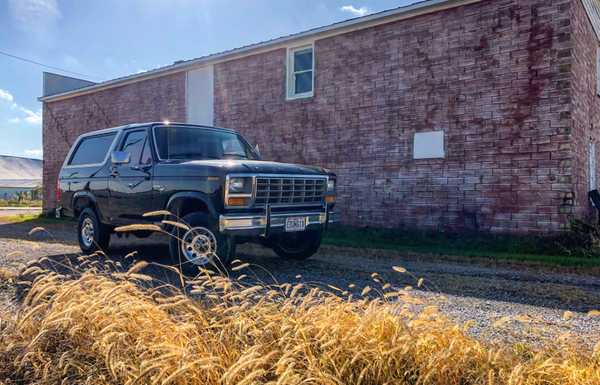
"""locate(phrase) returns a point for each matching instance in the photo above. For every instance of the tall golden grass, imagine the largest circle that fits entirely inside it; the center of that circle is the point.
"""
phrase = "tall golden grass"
(101, 328)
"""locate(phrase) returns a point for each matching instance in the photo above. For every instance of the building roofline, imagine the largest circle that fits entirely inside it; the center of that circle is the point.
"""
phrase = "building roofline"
(384, 17)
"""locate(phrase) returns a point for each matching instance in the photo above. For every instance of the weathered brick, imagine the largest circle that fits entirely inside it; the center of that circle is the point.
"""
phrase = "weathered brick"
(515, 96)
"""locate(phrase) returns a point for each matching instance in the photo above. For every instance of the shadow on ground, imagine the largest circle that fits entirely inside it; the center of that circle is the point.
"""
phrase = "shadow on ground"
(337, 267)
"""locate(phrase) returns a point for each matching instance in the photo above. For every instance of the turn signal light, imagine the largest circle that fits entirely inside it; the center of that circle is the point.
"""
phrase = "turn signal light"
(233, 201)
(330, 198)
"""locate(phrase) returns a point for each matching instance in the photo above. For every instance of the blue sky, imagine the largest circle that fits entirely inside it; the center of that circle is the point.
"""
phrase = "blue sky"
(110, 38)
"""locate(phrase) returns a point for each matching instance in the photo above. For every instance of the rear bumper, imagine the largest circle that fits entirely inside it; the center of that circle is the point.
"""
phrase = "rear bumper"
(249, 225)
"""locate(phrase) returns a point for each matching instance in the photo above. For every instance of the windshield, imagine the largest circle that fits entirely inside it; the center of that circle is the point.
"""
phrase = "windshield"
(186, 142)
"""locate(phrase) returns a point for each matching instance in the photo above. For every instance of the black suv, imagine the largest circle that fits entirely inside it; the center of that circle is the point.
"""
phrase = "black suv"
(210, 179)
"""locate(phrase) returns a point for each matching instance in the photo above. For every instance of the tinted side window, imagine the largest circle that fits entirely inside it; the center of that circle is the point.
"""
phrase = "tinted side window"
(134, 144)
(146, 153)
(92, 150)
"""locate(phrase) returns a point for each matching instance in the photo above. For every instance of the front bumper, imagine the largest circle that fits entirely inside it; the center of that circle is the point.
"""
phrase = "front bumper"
(264, 224)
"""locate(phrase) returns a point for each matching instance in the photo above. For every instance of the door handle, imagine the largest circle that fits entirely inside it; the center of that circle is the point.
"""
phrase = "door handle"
(114, 173)
(131, 185)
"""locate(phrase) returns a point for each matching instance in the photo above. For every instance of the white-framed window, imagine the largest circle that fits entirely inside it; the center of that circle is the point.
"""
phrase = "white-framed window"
(300, 72)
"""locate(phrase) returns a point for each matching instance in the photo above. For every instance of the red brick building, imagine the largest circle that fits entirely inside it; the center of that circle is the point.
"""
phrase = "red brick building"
(447, 114)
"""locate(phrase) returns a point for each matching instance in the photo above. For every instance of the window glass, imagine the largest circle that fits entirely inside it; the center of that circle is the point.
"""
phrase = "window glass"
(184, 142)
(303, 82)
(146, 153)
(300, 72)
(303, 60)
(92, 150)
(134, 144)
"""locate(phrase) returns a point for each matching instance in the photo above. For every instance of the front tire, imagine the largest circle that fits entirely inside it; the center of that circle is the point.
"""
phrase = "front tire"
(92, 234)
(202, 245)
(297, 246)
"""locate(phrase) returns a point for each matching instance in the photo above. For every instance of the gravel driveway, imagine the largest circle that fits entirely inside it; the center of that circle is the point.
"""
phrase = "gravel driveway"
(534, 298)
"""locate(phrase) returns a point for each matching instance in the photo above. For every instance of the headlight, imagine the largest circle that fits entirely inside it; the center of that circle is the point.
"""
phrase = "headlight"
(331, 185)
(239, 185)
(236, 185)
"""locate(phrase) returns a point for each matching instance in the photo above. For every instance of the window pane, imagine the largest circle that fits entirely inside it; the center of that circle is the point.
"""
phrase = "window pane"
(303, 82)
(146, 154)
(181, 142)
(303, 60)
(92, 150)
(134, 143)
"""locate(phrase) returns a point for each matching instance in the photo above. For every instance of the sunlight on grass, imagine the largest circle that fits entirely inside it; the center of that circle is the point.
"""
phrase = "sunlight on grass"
(124, 327)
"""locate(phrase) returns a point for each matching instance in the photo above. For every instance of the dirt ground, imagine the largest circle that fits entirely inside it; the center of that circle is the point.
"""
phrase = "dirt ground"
(530, 301)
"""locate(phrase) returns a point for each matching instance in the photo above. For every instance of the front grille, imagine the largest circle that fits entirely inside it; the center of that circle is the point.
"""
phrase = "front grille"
(289, 191)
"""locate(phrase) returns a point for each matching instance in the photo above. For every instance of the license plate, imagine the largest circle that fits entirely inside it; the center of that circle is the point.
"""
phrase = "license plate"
(295, 224)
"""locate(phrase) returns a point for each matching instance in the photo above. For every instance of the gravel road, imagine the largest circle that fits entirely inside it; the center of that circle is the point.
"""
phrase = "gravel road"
(533, 298)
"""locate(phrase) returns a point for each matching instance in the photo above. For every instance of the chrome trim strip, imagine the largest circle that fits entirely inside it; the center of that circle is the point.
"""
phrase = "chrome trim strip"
(318, 218)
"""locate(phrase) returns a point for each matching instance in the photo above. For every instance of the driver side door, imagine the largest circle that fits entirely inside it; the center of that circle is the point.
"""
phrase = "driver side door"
(130, 184)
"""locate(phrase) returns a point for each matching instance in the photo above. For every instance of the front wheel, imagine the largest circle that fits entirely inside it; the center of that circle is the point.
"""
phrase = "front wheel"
(201, 244)
(298, 246)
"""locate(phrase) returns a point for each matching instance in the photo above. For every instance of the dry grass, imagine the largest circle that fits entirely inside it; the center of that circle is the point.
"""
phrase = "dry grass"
(102, 328)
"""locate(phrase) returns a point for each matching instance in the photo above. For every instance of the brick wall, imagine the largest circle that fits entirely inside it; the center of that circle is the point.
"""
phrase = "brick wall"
(150, 100)
(494, 76)
(585, 105)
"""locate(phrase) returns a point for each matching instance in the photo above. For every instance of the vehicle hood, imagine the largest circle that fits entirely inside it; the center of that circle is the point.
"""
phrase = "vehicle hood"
(223, 167)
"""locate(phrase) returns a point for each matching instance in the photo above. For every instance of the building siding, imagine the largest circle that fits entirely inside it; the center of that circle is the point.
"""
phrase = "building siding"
(64, 120)
(494, 76)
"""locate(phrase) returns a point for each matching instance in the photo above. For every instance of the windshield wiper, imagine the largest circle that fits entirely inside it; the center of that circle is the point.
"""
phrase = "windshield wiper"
(190, 155)
(239, 156)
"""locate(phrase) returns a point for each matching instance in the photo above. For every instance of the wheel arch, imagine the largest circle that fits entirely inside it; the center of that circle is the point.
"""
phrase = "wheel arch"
(183, 203)
(82, 200)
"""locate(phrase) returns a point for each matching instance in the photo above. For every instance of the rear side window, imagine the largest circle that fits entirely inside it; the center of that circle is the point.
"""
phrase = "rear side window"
(92, 150)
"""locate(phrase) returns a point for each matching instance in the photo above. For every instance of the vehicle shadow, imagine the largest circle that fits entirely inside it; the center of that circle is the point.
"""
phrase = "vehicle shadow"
(330, 268)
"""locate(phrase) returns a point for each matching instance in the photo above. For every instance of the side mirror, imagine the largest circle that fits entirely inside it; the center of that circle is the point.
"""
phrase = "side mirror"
(257, 150)
(120, 157)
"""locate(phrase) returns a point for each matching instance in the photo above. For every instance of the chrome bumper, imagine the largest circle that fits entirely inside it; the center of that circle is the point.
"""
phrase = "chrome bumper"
(232, 223)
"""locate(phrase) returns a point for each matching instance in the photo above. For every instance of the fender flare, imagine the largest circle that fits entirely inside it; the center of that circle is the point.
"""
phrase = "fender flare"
(202, 197)
(88, 195)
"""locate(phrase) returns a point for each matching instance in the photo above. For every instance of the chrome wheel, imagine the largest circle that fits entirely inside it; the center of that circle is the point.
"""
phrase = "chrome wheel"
(199, 246)
(87, 232)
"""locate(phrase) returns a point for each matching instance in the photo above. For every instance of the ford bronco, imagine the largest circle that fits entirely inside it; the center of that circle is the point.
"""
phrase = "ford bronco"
(210, 179)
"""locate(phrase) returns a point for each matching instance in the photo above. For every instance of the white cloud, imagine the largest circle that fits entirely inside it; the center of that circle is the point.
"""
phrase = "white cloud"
(34, 15)
(36, 152)
(30, 116)
(19, 113)
(355, 11)
(5, 95)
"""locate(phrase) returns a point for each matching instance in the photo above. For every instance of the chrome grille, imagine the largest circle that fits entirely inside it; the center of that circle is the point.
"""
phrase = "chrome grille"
(289, 191)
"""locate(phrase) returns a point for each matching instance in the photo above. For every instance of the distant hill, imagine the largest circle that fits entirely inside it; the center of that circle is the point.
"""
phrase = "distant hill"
(23, 172)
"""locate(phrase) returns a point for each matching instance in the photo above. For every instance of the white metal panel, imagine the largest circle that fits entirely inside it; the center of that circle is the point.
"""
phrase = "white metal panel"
(199, 96)
(592, 164)
(428, 145)
(598, 71)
